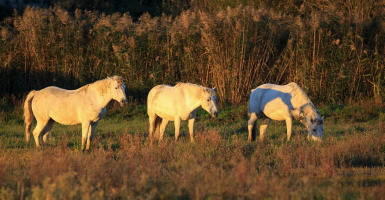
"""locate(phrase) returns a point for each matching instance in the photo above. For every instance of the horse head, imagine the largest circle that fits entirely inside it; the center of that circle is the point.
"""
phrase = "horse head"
(209, 100)
(118, 90)
(316, 128)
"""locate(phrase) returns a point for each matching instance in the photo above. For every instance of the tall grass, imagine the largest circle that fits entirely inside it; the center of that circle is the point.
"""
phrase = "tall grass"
(334, 50)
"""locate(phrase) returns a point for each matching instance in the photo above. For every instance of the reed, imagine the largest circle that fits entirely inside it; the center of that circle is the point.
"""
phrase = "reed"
(333, 50)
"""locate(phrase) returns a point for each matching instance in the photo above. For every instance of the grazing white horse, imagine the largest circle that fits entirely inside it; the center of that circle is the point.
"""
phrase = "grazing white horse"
(166, 103)
(284, 102)
(86, 106)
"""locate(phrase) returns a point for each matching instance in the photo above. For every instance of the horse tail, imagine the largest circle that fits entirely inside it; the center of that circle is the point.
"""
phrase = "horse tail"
(28, 114)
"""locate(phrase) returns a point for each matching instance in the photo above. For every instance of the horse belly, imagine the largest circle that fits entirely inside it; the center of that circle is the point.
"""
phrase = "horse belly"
(69, 118)
(164, 109)
(165, 116)
(276, 110)
(65, 113)
(278, 115)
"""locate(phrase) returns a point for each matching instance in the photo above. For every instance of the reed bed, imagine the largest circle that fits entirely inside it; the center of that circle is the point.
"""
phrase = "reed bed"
(335, 51)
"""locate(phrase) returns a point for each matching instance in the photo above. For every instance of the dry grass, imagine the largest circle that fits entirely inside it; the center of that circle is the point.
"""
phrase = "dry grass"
(348, 164)
(211, 168)
(333, 50)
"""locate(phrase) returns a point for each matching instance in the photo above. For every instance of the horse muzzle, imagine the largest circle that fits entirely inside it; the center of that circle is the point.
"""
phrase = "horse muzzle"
(123, 102)
(214, 114)
(315, 138)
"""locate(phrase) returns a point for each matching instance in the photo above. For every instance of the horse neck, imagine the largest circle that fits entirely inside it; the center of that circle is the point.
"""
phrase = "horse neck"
(300, 98)
(194, 96)
(99, 89)
(309, 111)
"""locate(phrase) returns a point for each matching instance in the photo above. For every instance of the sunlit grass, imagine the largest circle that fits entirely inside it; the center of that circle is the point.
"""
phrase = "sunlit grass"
(349, 163)
(234, 49)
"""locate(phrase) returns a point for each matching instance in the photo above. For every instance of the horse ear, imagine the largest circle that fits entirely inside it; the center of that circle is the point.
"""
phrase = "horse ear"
(321, 121)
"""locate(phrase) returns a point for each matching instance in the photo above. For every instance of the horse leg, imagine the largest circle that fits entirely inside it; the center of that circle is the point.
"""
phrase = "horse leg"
(162, 128)
(177, 121)
(263, 127)
(289, 124)
(303, 121)
(191, 129)
(250, 126)
(39, 131)
(45, 137)
(86, 132)
(91, 134)
(158, 122)
(47, 130)
(151, 129)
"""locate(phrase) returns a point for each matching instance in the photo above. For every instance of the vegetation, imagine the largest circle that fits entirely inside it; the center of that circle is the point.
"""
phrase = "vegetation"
(348, 164)
(333, 49)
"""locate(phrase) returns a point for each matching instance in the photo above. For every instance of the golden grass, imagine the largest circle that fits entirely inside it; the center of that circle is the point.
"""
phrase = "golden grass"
(234, 49)
(348, 164)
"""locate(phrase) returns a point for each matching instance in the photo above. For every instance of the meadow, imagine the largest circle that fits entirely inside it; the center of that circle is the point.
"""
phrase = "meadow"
(221, 164)
(333, 49)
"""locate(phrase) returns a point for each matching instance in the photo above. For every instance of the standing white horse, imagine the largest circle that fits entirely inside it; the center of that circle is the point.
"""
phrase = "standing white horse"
(284, 102)
(86, 106)
(166, 103)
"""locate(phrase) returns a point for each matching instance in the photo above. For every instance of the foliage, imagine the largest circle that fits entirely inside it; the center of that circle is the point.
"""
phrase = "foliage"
(334, 50)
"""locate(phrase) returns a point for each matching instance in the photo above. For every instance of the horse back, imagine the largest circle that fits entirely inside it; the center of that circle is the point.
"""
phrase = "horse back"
(272, 99)
(166, 101)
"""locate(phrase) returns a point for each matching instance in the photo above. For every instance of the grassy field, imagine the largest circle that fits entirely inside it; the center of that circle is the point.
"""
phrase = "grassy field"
(348, 164)
(333, 49)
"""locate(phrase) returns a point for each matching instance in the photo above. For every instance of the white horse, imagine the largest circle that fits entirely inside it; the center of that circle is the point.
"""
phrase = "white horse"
(166, 103)
(284, 102)
(86, 106)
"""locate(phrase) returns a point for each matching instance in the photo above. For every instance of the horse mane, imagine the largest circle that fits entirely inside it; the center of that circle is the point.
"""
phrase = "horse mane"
(179, 84)
(307, 107)
(118, 79)
(102, 84)
(84, 87)
(299, 94)
(200, 88)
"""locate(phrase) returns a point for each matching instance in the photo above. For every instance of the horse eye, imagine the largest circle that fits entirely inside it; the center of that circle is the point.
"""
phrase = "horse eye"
(208, 99)
(116, 87)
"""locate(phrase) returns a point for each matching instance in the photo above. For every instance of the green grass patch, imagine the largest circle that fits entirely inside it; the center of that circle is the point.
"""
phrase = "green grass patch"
(347, 164)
